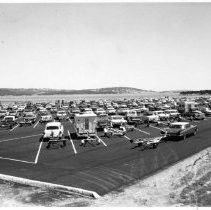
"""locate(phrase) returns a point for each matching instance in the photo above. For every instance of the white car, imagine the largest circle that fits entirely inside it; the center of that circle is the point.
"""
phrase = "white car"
(46, 118)
(150, 116)
(100, 111)
(161, 114)
(53, 130)
(172, 112)
(207, 112)
(110, 110)
(117, 120)
(21, 108)
(61, 115)
(123, 111)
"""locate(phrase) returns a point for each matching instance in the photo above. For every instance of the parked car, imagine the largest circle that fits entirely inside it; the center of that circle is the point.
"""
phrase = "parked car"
(42, 111)
(111, 111)
(46, 118)
(162, 115)
(21, 108)
(14, 113)
(30, 116)
(150, 117)
(134, 117)
(102, 121)
(53, 130)
(3, 113)
(172, 113)
(61, 115)
(116, 120)
(100, 111)
(9, 121)
(180, 130)
(74, 112)
(198, 115)
(25, 122)
(122, 111)
(53, 110)
(207, 112)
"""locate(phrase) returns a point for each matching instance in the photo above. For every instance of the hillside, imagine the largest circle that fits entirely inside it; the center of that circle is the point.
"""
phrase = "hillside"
(110, 90)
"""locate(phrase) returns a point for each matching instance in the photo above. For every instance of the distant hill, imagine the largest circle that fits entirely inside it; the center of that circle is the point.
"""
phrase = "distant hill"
(110, 90)
(120, 90)
(198, 92)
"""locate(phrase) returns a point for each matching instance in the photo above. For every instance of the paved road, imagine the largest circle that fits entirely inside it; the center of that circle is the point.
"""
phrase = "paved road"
(101, 168)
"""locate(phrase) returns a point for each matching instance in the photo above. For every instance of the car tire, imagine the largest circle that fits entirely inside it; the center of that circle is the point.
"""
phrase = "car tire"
(184, 137)
(195, 132)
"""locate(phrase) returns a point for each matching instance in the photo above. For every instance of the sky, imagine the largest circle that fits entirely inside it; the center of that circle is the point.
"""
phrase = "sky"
(151, 46)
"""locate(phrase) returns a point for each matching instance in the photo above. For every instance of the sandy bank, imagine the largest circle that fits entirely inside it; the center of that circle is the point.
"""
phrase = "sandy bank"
(187, 183)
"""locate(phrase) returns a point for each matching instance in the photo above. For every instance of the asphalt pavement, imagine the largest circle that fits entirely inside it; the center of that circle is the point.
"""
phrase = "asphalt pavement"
(103, 168)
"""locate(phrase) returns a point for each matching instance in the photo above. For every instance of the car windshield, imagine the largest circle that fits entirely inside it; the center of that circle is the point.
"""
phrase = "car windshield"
(175, 126)
(117, 118)
(46, 116)
(148, 114)
(29, 115)
(61, 112)
(75, 111)
(102, 116)
(52, 127)
(9, 119)
(171, 111)
(2, 111)
(160, 112)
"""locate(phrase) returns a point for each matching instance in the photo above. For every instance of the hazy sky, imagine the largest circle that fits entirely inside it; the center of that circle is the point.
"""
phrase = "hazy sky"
(153, 46)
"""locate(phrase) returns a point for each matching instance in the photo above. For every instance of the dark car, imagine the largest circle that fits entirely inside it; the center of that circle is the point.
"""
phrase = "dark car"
(9, 122)
(30, 116)
(180, 130)
(198, 115)
(102, 121)
(134, 120)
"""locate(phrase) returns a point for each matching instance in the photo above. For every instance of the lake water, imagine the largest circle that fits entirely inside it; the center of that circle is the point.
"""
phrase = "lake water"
(88, 97)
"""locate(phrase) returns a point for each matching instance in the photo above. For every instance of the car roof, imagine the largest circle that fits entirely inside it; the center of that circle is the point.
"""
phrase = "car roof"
(86, 115)
(180, 123)
(53, 124)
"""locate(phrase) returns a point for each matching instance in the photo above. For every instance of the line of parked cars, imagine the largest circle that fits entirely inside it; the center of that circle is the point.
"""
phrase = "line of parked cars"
(113, 113)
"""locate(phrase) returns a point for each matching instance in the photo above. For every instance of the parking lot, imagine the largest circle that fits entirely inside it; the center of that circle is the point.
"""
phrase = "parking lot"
(113, 163)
